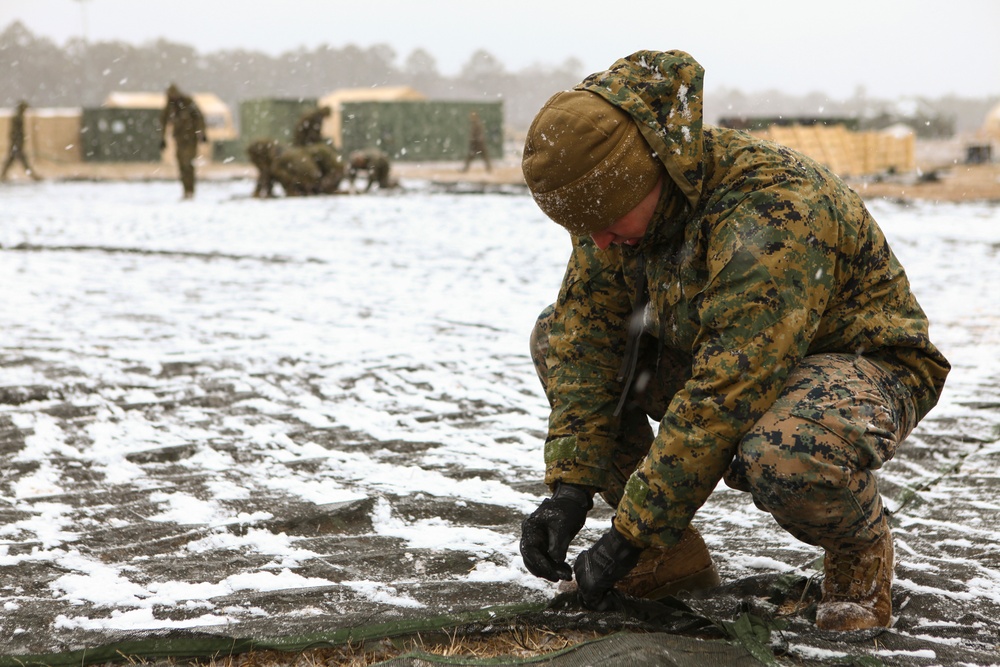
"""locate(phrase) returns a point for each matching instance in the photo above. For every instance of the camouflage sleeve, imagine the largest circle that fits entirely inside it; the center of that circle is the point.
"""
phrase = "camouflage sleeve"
(771, 273)
(586, 344)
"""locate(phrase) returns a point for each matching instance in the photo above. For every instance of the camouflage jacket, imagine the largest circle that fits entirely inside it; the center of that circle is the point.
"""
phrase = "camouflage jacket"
(755, 257)
(371, 160)
(308, 170)
(309, 129)
(16, 133)
(185, 116)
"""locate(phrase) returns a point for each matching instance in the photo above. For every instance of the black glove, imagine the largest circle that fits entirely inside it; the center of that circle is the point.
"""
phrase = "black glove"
(204, 138)
(599, 567)
(163, 145)
(547, 532)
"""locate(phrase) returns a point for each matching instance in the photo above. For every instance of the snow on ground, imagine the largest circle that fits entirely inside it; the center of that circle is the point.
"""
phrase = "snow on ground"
(225, 409)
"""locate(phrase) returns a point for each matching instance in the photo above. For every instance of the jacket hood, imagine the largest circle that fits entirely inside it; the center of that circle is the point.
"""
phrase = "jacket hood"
(662, 92)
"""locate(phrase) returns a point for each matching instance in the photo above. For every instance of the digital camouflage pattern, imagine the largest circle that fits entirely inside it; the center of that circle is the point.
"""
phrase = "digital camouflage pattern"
(755, 258)
(809, 460)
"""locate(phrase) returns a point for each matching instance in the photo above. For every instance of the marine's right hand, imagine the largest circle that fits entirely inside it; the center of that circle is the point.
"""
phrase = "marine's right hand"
(547, 532)
(163, 145)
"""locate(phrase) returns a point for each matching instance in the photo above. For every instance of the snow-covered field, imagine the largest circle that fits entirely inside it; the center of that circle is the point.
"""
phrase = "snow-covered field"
(227, 413)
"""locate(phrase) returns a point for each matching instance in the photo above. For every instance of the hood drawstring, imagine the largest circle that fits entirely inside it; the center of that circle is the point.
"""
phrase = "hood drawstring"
(636, 324)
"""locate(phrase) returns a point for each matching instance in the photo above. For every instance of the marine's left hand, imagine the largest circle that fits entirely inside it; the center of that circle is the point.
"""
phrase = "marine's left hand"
(599, 567)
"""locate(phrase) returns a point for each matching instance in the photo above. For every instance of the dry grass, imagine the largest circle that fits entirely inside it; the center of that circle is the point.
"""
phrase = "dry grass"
(514, 643)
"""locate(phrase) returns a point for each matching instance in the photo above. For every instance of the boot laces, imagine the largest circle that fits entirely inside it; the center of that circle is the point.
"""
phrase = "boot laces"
(853, 576)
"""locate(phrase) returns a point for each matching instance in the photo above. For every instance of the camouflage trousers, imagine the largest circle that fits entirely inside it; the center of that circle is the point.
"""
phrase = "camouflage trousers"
(186, 154)
(15, 153)
(808, 461)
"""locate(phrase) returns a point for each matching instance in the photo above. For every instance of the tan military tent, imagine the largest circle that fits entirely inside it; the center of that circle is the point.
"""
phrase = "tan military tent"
(51, 135)
(334, 100)
(218, 116)
(219, 123)
(991, 124)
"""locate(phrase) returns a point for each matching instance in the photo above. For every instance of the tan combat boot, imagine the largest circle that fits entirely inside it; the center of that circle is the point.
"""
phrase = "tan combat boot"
(857, 588)
(660, 572)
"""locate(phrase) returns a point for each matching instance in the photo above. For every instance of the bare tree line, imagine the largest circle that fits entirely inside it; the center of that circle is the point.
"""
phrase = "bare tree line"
(82, 74)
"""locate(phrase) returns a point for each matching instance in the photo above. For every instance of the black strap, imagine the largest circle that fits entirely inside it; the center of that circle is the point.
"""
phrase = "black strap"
(636, 319)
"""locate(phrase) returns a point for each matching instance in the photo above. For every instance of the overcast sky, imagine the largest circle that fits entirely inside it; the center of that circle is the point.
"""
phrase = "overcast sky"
(891, 47)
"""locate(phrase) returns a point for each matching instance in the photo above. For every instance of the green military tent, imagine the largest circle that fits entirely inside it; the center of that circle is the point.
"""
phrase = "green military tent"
(419, 130)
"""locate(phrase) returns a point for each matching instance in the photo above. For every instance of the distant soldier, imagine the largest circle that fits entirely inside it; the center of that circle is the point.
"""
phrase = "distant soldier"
(477, 142)
(261, 153)
(374, 163)
(309, 129)
(189, 128)
(315, 169)
(16, 150)
(300, 170)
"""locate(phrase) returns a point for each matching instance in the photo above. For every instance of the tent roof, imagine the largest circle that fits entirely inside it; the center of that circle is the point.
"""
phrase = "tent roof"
(209, 103)
(899, 130)
(372, 94)
(46, 112)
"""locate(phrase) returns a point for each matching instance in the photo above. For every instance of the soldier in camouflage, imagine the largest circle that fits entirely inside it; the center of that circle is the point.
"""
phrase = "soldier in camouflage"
(375, 163)
(15, 151)
(188, 123)
(261, 153)
(740, 295)
(477, 143)
(300, 170)
(309, 128)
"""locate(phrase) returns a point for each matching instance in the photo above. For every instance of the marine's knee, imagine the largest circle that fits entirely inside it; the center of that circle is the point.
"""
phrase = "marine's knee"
(782, 464)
